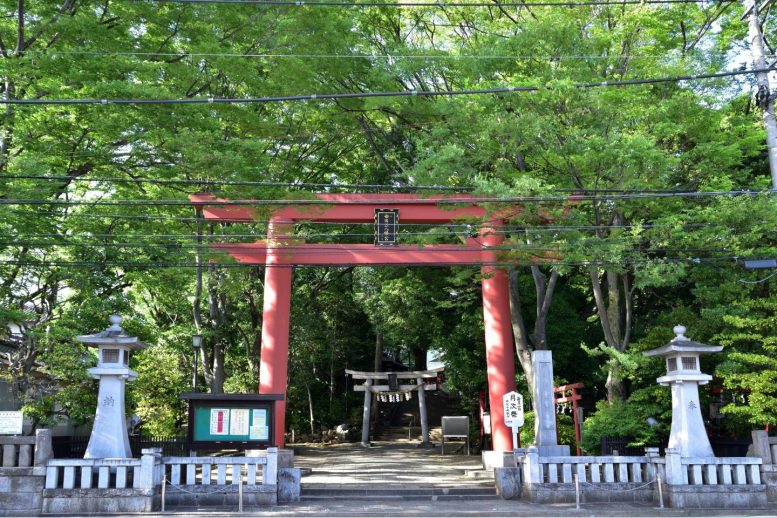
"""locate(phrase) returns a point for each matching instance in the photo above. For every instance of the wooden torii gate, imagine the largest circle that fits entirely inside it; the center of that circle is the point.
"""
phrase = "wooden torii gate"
(392, 385)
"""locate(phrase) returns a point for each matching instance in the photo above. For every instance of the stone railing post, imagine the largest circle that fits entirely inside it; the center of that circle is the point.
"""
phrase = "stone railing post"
(43, 449)
(531, 466)
(674, 468)
(651, 470)
(9, 456)
(272, 467)
(150, 476)
(761, 447)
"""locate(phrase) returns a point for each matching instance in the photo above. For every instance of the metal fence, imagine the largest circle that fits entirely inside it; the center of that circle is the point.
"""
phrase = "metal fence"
(75, 447)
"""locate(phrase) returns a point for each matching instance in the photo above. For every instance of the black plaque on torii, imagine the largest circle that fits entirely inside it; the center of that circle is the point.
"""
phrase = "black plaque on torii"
(386, 227)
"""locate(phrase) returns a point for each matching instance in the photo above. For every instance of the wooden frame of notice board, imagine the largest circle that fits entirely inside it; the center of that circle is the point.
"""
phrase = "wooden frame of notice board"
(231, 420)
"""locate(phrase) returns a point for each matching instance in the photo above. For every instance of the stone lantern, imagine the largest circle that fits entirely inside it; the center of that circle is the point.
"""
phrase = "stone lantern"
(684, 376)
(109, 437)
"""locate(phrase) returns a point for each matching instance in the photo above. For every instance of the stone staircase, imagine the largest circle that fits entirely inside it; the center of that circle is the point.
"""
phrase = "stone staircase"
(471, 492)
(392, 471)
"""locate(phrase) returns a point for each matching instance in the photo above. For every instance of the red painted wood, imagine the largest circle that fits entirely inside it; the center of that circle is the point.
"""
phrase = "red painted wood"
(350, 208)
(354, 254)
(273, 364)
(500, 363)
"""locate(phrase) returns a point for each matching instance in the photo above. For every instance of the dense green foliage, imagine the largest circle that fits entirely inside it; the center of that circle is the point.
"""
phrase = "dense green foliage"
(597, 280)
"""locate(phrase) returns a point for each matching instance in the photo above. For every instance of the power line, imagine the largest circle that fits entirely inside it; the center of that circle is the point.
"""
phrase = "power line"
(374, 57)
(399, 201)
(470, 229)
(363, 95)
(246, 183)
(334, 3)
(163, 264)
(250, 183)
(325, 248)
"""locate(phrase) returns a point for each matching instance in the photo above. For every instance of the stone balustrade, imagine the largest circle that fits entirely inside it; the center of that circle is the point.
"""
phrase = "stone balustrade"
(22, 472)
(17, 451)
(560, 479)
(78, 486)
(713, 482)
(721, 471)
(221, 480)
(208, 471)
(765, 448)
(26, 451)
(680, 482)
(93, 473)
(595, 470)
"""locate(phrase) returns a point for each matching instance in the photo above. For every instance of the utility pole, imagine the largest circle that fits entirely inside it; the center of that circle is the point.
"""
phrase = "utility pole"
(764, 97)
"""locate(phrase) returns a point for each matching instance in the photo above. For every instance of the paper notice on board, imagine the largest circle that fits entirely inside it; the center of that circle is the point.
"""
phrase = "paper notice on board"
(260, 433)
(238, 421)
(259, 429)
(259, 417)
(219, 421)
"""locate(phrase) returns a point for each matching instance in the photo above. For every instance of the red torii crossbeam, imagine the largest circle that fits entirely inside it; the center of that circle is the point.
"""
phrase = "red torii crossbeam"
(281, 250)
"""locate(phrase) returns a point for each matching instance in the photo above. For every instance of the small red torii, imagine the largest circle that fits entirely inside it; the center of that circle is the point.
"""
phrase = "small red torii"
(565, 394)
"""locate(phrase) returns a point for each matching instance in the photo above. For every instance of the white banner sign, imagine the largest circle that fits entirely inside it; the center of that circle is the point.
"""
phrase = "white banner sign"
(513, 405)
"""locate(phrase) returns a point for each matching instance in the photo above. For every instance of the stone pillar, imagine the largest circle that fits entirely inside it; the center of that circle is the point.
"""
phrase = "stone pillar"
(422, 413)
(674, 468)
(651, 469)
(545, 436)
(273, 366)
(688, 433)
(43, 447)
(760, 446)
(149, 460)
(531, 466)
(109, 437)
(366, 413)
(500, 362)
(272, 467)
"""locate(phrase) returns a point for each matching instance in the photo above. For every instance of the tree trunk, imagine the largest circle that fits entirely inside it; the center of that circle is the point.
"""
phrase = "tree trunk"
(419, 359)
(615, 316)
(378, 359)
(310, 408)
(537, 341)
(521, 339)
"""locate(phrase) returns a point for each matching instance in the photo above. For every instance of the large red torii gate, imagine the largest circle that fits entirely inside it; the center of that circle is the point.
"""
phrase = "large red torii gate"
(281, 250)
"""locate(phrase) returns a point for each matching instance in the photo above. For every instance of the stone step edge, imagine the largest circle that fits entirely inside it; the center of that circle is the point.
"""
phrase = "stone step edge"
(398, 492)
(431, 498)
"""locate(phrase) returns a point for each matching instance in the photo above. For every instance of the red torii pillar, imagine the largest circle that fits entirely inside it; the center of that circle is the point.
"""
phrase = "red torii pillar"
(274, 360)
(500, 360)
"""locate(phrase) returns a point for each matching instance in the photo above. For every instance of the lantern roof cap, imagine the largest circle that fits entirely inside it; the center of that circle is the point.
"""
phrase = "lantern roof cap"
(683, 344)
(113, 335)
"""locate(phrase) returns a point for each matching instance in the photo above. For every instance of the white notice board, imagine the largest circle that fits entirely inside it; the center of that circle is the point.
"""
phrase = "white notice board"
(11, 423)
